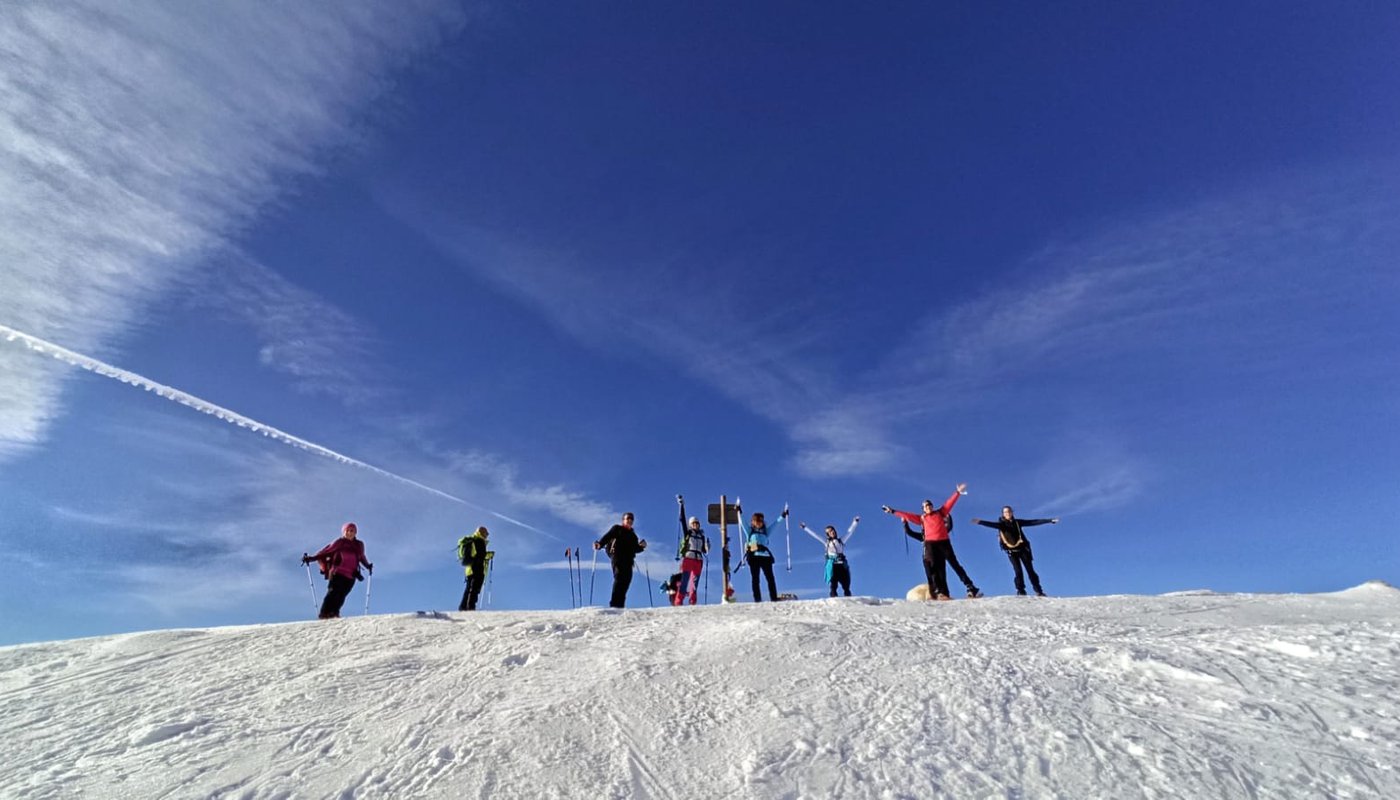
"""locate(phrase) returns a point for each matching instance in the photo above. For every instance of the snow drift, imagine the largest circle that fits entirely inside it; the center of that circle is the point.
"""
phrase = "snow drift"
(1189, 695)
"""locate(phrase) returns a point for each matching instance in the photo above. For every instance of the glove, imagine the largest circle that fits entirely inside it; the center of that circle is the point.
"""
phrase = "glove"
(976, 521)
(642, 545)
(305, 559)
(369, 568)
(887, 509)
(490, 554)
(597, 545)
(1055, 521)
(784, 514)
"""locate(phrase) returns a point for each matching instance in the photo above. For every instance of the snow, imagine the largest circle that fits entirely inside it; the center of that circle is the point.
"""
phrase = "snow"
(1185, 695)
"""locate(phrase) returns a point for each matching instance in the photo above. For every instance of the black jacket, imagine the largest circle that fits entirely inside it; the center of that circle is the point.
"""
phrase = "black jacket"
(1013, 539)
(622, 544)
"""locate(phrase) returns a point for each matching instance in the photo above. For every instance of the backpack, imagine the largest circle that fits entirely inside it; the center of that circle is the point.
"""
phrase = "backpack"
(466, 550)
(947, 521)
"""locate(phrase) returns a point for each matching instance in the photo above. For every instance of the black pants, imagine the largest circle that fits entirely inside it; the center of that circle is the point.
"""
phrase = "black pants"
(473, 591)
(1022, 558)
(762, 562)
(841, 574)
(936, 556)
(622, 579)
(336, 592)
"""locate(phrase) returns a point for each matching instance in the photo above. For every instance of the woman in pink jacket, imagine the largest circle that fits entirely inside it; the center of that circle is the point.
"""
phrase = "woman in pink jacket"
(340, 563)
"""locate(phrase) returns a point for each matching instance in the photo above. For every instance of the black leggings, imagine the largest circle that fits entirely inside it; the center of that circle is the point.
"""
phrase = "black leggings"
(1021, 558)
(841, 574)
(622, 579)
(472, 592)
(936, 555)
(336, 592)
(763, 562)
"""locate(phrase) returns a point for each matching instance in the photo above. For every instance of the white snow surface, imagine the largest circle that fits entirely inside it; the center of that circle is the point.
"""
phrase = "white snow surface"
(1188, 695)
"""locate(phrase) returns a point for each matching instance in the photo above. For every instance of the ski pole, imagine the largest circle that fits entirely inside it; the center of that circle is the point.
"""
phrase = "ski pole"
(309, 583)
(680, 537)
(788, 526)
(569, 564)
(578, 560)
(593, 576)
(490, 576)
(651, 599)
(369, 584)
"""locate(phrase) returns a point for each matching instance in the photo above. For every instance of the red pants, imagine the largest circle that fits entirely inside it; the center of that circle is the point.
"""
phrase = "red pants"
(691, 569)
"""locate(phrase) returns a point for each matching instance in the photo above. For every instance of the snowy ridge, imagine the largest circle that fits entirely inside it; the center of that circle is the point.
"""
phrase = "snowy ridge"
(1183, 696)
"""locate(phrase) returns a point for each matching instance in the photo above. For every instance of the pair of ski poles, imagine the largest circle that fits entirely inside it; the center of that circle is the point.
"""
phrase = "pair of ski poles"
(592, 579)
(311, 584)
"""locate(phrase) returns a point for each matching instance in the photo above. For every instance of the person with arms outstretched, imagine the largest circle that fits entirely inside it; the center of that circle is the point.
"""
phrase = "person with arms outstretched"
(760, 558)
(838, 570)
(340, 562)
(936, 524)
(622, 546)
(476, 561)
(1016, 546)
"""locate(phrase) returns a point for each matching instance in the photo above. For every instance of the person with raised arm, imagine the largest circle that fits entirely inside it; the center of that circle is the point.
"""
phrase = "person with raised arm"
(758, 555)
(937, 525)
(838, 569)
(1016, 546)
(693, 548)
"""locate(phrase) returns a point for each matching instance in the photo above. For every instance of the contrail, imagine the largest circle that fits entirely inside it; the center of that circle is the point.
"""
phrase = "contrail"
(67, 356)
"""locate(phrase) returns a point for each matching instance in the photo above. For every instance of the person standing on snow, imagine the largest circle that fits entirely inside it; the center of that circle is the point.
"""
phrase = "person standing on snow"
(622, 546)
(476, 560)
(1016, 546)
(760, 558)
(937, 523)
(340, 563)
(838, 571)
(694, 546)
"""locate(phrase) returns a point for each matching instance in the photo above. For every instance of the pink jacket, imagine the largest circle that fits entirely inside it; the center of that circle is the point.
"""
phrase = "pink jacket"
(343, 556)
(934, 528)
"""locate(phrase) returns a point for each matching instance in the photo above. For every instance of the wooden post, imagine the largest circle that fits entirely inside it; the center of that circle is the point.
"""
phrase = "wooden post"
(728, 593)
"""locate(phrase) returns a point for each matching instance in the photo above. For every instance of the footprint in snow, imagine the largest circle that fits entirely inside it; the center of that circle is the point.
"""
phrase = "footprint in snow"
(160, 733)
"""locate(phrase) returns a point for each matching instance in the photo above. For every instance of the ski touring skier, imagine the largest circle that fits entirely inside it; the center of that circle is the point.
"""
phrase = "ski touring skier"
(838, 570)
(936, 524)
(622, 546)
(1017, 547)
(476, 563)
(757, 553)
(694, 546)
(340, 563)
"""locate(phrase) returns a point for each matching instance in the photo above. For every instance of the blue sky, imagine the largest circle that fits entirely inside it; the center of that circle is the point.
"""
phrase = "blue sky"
(1132, 267)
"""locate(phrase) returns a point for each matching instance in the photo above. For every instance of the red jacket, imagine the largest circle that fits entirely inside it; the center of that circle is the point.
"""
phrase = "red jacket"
(342, 557)
(934, 528)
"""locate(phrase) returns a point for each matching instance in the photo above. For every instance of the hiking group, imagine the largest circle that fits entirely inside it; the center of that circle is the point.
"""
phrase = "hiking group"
(341, 561)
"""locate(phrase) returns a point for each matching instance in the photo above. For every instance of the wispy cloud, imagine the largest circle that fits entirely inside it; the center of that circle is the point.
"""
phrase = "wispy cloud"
(1189, 280)
(322, 348)
(134, 139)
(566, 504)
(119, 520)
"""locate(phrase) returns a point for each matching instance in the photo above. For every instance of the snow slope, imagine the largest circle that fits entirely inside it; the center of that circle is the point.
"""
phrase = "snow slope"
(1187, 695)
